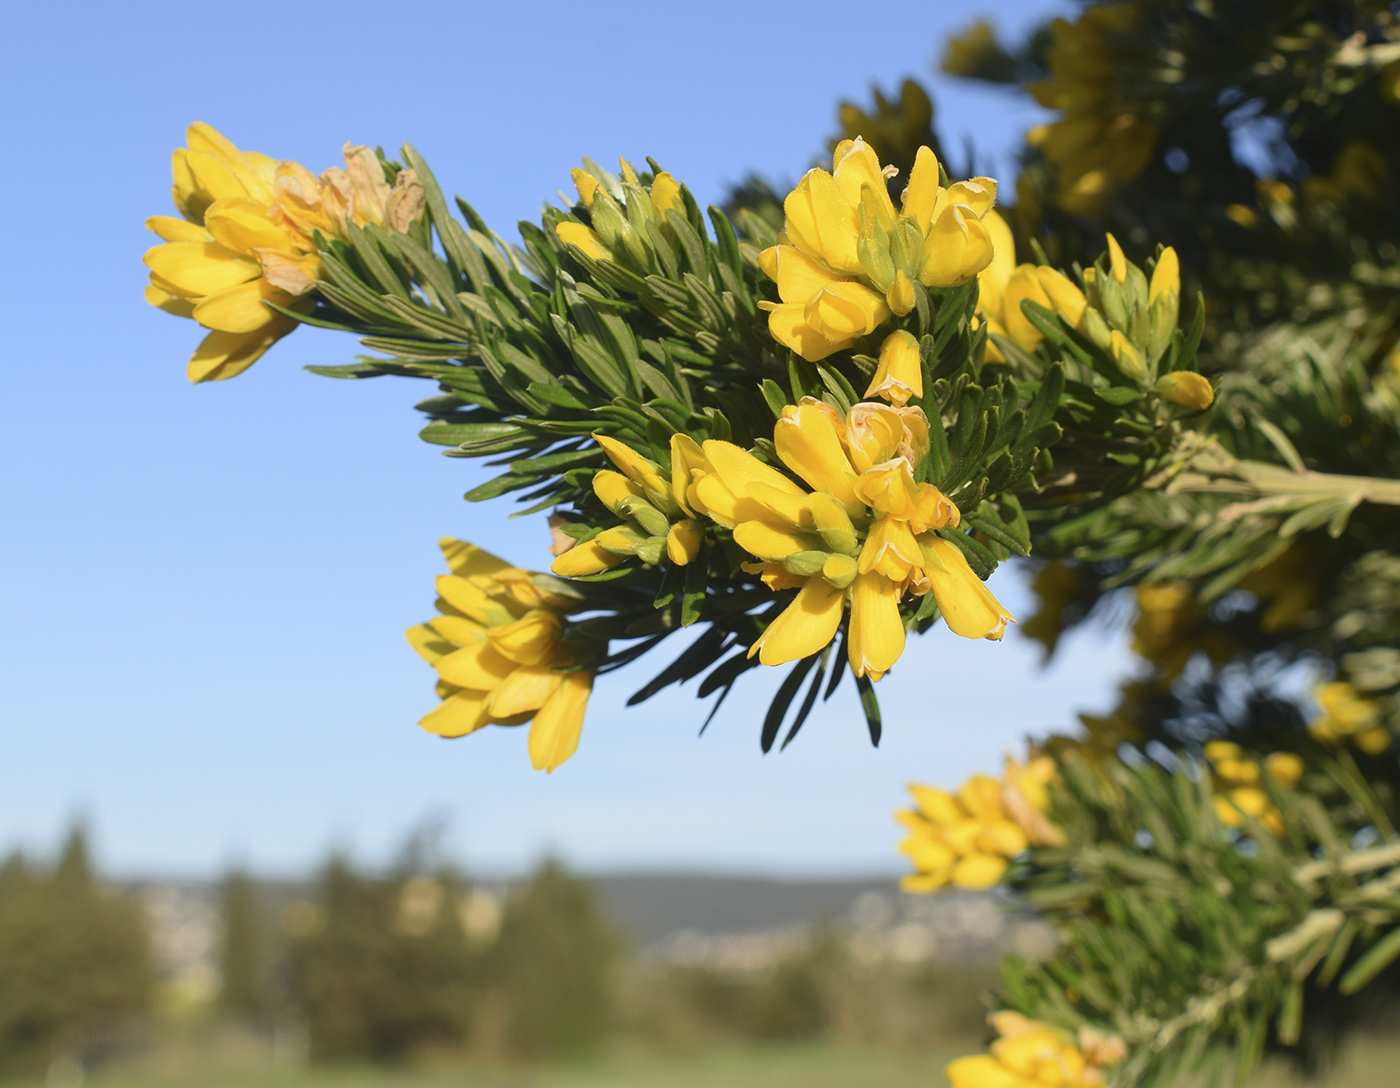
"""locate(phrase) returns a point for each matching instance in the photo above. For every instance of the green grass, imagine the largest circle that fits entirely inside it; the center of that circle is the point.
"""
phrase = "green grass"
(1371, 1063)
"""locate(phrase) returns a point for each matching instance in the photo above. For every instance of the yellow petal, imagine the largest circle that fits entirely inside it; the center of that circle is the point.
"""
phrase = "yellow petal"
(468, 561)
(956, 248)
(245, 225)
(688, 464)
(586, 184)
(666, 195)
(787, 324)
(1166, 277)
(171, 304)
(612, 488)
(240, 309)
(1117, 263)
(770, 542)
(427, 643)
(223, 355)
(804, 627)
(938, 805)
(922, 193)
(821, 222)
(890, 549)
(458, 715)
(877, 631)
(1186, 388)
(526, 689)
(797, 275)
(216, 176)
(529, 640)
(555, 731)
(982, 1071)
(900, 374)
(171, 229)
(977, 194)
(576, 234)
(1024, 283)
(991, 281)
(587, 558)
(471, 600)
(478, 666)
(856, 172)
(642, 471)
(978, 872)
(738, 469)
(844, 309)
(1066, 299)
(196, 269)
(809, 443)
(459, 631)
(968, 607)
(683, 541)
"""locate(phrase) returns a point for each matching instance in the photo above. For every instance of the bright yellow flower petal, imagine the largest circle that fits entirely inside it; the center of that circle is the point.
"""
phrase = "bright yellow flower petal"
(844, 309)
(555, 731)
(956, 248)
(770, 542)
(241, 309)
(1166, 277)
(977, 194)
(529, 640)
(586, 184)
(1066, 299)
(688, 464)
(644, 472)
(457, 715)
(787, 324)
(967, 605)
(196, 269)
(938, 805)
(804, 627)
(797, 275)
(459, 631)
(587, 558)
(856, 171)
(978, 872)
(877, 630)
(991, 281)
(585, 238)
(468, 561)
(245, 226)
(982, 1071)
(526, 689)
(224, 355)
(683, 541)
(427, 643)
(171, 229)
(666, 195)
(1023, 283)
(171, 304)
(922, 192)
(900, 374)
(472, 600)
(1117, 263)
(809, 443)
(478, 666)
(738, 470)
(927, 853)
(821, 222)
(1186, 388)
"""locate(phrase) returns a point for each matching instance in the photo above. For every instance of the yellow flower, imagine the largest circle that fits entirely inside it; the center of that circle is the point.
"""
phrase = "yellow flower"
(1033, 1054)
(1238, 779)
(246, 239)
(900, 374)
(1186, 388)
(502, 656)
(1098, 143)
(969, 838)
(864, 533)
(1347, 715)
(846, 259)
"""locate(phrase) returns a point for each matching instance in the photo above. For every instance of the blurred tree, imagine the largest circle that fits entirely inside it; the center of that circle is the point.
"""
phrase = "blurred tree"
(243, 958)
(556, 955)
(72, 957)
(381, 967)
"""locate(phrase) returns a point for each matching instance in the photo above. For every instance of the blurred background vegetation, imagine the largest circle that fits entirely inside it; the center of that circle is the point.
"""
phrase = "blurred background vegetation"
(421, 976)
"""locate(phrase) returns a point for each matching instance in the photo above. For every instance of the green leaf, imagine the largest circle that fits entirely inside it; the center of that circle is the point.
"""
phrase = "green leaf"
(1372, 962)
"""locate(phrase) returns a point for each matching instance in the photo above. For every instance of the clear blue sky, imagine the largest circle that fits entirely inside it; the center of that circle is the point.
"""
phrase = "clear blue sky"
(203, 590)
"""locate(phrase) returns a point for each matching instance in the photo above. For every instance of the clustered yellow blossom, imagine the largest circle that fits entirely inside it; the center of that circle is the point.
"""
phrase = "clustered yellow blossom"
(613, 237)
(1286, 586)
(846, 260)
(501, 656)
(866, 533)
(1238, 779)
(1098, 144)
(1033, 1054)
(969, 838)
(1349, 717)
(246, 239)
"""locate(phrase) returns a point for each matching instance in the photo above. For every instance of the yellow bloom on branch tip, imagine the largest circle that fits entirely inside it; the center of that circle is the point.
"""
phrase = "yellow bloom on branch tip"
(247, 240)
(846, 259)
(967, 605)
(1186, 388)
(502, 656)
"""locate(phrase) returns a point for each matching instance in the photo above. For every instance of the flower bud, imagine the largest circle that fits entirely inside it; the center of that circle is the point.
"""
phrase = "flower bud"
(900, 374)
(1126, 356)
(683, 541)
(1186, 388)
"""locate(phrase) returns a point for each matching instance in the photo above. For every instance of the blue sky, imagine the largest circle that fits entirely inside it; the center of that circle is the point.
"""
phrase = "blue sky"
(203, 590)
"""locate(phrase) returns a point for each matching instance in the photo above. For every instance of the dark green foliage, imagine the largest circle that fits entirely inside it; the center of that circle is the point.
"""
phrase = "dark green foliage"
(73, 959)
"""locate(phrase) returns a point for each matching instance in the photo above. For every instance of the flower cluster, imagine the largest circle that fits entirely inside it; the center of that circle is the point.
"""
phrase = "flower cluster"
(247, 238)
(846, 260)
(1033, 1054)
(502, 657)
(1238, 779)
(1348, 716)
(969, 838)
(1003, 284)
(1098, 144)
